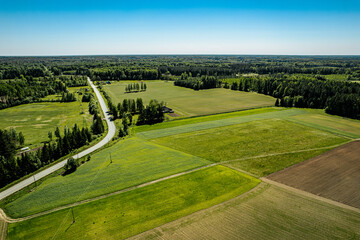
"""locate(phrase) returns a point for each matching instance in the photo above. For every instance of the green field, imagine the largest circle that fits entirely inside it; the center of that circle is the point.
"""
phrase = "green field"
(263, 166)
(133, 212)
(135, 161)
(201, 119)
(35, 120)
(269, 212)
(187, 102)
(202, 125)
(249, 139)
(338, 125)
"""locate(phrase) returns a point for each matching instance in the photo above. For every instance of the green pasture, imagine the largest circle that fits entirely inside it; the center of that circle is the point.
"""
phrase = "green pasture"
(80, 89)
(192, 120)
(338, 125)
(188, 102)
(121, 216)
(35, 120)
(134, 161)
(263, 166)
(245, 116)
(250, 139)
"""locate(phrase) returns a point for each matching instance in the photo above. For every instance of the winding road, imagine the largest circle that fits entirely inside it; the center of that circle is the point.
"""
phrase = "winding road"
(47, 171)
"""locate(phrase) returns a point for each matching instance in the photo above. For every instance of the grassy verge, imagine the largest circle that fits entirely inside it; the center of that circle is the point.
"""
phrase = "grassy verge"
(133, 212)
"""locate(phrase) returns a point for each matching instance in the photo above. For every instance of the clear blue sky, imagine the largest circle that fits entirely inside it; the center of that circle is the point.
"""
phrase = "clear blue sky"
(66, 27)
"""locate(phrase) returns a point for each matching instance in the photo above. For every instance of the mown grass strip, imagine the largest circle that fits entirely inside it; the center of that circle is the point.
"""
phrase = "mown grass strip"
(127, 214)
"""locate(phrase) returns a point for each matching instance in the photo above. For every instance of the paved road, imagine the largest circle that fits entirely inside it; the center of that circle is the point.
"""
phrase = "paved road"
(109, 136)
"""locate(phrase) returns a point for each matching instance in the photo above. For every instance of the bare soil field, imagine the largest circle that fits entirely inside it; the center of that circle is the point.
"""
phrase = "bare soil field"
(266, 212)
(334, 175)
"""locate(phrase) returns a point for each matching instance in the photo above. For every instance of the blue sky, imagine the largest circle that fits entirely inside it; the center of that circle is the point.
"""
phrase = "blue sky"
(179, 27)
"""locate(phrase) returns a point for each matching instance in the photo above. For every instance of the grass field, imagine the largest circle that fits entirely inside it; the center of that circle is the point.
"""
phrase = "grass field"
(334, 175)
(267, 213)
(134, 162)
(338, 125)
(202, 125)
(187, 102)
(35, 120)
(249, 139)
(263, 166)
(201, 119)
(133, 212)
(71, 90)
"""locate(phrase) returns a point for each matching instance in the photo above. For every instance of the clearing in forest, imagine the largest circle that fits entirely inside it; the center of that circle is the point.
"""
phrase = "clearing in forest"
(334, 175)
(188, 102)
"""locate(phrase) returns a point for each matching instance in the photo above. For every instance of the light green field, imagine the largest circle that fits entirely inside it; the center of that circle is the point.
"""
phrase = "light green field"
(192, 120)
(270, 213)
(249, 139)
(187, 102)
(35, 120)
(135, 161)
(263, 166)
(202, 125)
(338, 125)
(133, 212)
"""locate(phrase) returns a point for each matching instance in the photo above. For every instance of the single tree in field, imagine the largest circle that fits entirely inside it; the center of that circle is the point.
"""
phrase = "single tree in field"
(50, 135)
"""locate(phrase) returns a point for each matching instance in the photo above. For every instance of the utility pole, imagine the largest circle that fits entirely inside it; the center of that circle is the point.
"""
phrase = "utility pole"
(72, 211)
(110, 158)
(34, 180)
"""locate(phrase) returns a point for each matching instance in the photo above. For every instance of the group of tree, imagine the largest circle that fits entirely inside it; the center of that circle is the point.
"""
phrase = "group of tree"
(336, 97)
(152, 113)
(135, 87)
(68, 97)
(204, 82)
(13, 167)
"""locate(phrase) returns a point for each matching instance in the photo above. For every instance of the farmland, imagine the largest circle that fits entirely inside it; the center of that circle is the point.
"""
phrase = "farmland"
(333, 175)
(133, 212)
(269, 212)
(35, 120)
(187, 102)
(249, 139)
(134, 161)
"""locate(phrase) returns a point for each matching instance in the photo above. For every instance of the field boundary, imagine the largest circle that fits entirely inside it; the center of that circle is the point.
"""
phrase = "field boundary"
(310, 195)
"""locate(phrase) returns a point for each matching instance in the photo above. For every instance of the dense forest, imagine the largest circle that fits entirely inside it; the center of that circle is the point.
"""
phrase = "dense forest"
(301, 81)
(31, 89)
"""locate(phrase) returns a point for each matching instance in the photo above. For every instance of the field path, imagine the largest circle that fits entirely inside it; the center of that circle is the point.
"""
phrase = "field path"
(307, 194)
(47, 171)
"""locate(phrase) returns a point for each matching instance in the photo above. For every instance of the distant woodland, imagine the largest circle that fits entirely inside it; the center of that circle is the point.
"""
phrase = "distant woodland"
(327, 82)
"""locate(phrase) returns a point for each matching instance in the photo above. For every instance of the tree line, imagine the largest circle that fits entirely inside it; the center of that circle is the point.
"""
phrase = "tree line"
(336, 97)
(135, 87)
(204, 82)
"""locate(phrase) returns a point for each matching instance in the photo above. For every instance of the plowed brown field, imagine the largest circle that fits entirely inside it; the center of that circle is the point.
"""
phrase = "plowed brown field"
(334, 175)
